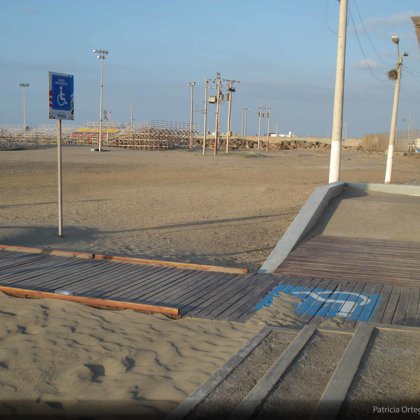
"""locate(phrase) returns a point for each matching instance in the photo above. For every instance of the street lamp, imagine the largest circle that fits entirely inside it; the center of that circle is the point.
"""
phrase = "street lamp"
(101, 54)
(394, 74)
(191, 85)
(24, 85)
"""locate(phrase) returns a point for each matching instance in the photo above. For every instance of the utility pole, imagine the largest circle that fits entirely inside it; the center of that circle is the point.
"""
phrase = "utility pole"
(230, 90)
(243, 132)
(24, 86)
(260, 114)
(191, 85)
(206, 85)
(218, 100)
(268, 127)
(396, 75)
(337, 127)
(101, 57)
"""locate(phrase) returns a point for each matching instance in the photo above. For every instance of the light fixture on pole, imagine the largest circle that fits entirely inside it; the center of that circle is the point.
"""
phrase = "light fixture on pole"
(394, 74)
(206, 86)
(191, 85)
(101, 54)
(24, 86)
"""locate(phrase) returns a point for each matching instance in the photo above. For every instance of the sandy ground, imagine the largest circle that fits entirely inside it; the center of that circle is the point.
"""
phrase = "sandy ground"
(176, 205)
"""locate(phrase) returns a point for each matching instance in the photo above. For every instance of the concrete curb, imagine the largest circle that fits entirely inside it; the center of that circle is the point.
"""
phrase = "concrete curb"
(386, 188)
(303, 223)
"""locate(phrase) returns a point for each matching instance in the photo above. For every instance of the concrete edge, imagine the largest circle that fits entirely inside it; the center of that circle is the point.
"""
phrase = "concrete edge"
(302, 224)
(386, 188)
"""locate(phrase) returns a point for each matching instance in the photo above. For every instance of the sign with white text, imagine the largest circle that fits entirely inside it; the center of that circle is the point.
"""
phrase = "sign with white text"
(61, 96)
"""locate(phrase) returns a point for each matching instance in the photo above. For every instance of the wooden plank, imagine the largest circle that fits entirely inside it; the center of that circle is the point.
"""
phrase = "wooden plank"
(174, 264)
(86, 255)
(250, 404)
(392, 305)
(98, 303)
(382, 304)
(402, 306)
(342, 378)
(183, 410)
(413, 304)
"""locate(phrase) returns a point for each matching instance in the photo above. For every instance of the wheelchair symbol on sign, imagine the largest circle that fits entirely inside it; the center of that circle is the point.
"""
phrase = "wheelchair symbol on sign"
(61, 98)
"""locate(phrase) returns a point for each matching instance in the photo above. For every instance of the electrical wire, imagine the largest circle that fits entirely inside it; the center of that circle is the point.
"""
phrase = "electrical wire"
(368, 37)
(327, 2)
(411, 74)
(363, 52)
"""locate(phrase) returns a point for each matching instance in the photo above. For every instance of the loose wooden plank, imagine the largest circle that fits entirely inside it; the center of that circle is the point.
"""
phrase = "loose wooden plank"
(342, 378)
(250, 404)
(87, 255)
(99, 303)
(175, 264)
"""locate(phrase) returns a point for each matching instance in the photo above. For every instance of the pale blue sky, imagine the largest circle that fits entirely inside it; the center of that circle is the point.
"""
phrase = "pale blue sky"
(282, 51)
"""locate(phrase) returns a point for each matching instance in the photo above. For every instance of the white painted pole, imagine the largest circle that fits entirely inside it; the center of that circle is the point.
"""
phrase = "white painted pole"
(216, 134)
(337, 127)
(206, 84)
(393, 128)
(100, 106)
(60, 183)
(259, 128)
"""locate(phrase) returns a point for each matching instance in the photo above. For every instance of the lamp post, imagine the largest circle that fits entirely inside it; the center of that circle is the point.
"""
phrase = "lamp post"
(101, 54)
(206, 85)
(24, 86)
(394, 74)
(191, 85)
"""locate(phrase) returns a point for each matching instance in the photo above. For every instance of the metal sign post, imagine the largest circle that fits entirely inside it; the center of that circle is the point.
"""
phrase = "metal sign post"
(61, 107)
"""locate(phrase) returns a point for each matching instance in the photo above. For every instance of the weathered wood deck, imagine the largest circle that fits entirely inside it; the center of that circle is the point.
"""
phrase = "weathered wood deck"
(355, 259)
(144, 287)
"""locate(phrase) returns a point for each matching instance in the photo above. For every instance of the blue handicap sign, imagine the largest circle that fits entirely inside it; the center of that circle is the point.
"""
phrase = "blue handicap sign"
(326, 303)
(61, 96)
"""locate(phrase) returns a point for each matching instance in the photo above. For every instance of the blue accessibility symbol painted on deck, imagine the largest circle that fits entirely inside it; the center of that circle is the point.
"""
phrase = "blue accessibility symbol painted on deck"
(327, 303)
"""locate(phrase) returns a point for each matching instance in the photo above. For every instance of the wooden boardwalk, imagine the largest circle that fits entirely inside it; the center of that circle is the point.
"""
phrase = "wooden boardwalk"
(151, 288)
(353, 279)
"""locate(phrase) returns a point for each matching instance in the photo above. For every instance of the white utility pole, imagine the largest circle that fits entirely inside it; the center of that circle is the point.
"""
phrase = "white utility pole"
(206, 85)
(24, 86)
(191, 85)
(393, 129)
(337, 127)
(244, 111)
(218, 100)
(230, 90)
(101, 57)
(131, 120)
